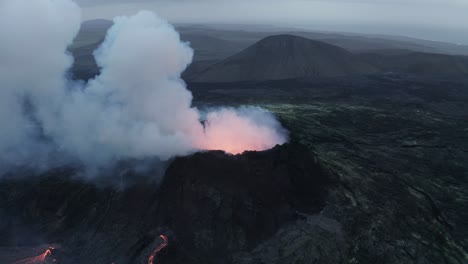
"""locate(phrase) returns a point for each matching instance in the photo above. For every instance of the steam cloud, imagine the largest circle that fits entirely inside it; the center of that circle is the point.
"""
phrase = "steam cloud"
(137, 107)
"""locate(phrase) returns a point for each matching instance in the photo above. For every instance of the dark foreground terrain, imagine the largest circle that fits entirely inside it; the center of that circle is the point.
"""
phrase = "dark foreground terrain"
(376, 172)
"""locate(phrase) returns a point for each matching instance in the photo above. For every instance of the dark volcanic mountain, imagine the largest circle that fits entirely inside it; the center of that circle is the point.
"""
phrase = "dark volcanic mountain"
(284, 57)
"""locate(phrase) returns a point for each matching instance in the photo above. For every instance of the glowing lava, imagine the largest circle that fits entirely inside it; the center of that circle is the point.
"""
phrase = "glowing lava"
(37, 259)
(158, 249)
(243, 130)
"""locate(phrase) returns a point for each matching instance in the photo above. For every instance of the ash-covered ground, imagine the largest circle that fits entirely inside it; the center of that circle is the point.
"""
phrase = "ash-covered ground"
(375, 172)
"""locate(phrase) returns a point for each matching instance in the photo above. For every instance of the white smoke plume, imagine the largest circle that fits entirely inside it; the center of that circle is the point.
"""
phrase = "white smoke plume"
(138, 107)
(33, 61)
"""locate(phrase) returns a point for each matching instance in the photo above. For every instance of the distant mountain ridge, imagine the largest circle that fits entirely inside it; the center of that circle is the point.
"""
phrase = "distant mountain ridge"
(418, 63)
(213, 47)
(284, 57)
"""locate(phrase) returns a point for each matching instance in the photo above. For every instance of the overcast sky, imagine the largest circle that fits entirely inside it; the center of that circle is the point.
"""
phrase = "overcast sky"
(445, 20)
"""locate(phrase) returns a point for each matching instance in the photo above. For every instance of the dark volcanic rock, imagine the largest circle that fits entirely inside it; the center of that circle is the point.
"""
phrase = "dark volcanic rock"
(213, 206)
(221, 204)
(385, 182)
(376, 172)
(399, 147)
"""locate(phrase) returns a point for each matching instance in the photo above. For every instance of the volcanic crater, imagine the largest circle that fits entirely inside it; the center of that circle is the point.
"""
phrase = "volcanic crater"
(212, 206)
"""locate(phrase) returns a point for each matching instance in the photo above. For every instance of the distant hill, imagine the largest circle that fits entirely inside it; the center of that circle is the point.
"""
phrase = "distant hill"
(284, 57)
(212, 48)
(418, 63)
(436, 46)
(91, 33)
(102, 24)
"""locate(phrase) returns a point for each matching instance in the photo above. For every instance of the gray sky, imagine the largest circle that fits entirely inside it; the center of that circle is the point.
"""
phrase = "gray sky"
(445, 20)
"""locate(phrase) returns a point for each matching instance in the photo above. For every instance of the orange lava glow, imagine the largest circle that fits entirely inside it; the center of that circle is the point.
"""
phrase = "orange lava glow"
(37, 259)
(158, 249)
(228, 131)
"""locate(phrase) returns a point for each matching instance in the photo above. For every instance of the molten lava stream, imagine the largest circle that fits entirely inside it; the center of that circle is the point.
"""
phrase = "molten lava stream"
(37, 259)
(158, 249)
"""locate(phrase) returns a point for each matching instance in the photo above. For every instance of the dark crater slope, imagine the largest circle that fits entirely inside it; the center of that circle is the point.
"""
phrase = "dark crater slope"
(284, 57)
(214, 207)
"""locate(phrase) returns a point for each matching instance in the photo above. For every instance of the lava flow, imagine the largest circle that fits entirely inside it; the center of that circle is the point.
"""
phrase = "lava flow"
(158, 249)
(37, 259)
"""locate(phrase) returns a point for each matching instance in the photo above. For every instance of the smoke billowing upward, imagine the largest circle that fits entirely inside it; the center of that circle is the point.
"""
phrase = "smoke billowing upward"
(138, 106)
